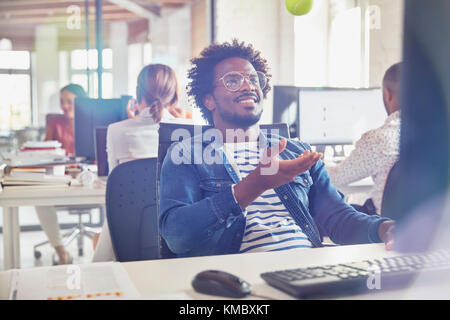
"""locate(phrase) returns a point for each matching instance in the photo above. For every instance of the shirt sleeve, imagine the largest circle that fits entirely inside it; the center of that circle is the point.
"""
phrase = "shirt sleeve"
(361, 163)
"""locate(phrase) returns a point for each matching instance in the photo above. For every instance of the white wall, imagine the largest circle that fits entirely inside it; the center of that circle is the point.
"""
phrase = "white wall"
(386, 43)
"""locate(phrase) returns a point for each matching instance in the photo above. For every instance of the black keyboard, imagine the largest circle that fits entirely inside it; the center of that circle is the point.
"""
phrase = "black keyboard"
(358, 277)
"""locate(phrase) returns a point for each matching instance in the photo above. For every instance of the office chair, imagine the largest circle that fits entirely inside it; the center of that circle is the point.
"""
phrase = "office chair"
(80, 230)
(165, 141)
(131, 208)
(390, 198)
(166, 129)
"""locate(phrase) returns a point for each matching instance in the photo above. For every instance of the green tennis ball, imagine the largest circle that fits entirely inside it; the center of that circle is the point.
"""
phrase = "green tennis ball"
(299, 7)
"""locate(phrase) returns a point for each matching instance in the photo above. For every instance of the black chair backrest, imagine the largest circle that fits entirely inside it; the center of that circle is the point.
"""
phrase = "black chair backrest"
(131, 208)
(165, 141)
(390, 199)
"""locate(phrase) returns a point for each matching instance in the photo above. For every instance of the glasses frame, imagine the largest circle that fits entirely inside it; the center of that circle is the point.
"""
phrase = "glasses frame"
(244, 78)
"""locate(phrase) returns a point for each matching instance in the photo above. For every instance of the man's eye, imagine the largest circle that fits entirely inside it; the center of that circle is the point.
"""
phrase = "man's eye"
(254, 79)
(232, 82)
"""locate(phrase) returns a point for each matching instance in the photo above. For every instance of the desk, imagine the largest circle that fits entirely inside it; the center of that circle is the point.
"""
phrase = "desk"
(173, 276)
(12, 199)
(362, 186)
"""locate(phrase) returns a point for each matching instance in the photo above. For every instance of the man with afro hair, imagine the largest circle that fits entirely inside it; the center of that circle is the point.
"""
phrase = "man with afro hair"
(245, 190)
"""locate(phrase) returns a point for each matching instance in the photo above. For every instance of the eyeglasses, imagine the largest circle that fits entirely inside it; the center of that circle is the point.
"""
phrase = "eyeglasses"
(233, 81)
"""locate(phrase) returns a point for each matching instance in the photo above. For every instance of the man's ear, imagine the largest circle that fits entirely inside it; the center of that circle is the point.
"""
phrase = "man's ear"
(387, 94)
(209, 102)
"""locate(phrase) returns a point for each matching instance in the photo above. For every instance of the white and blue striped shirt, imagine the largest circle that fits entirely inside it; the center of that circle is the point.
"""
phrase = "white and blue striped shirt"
(269, 225)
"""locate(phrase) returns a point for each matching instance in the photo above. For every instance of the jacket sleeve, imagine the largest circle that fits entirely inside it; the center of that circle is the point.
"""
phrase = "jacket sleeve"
(187, 219)
(337, 219)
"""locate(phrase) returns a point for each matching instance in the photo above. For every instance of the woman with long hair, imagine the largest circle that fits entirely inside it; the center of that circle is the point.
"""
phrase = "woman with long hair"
(157, 94)
(137, 138)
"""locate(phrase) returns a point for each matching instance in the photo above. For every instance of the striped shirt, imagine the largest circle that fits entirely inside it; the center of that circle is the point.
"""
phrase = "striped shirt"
(269, 226)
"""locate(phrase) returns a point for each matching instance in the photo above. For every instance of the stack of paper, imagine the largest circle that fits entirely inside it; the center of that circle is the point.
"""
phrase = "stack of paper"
(52, 144)
(36, 180)
(37, 153)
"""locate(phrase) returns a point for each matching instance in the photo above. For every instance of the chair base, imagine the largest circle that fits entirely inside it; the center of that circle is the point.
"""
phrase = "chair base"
(78, 233)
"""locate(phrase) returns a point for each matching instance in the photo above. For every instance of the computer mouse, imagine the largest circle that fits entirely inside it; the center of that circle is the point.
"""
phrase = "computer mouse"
(220, 283)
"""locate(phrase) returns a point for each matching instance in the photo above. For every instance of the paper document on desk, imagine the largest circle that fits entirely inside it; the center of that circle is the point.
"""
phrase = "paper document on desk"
(98, 281)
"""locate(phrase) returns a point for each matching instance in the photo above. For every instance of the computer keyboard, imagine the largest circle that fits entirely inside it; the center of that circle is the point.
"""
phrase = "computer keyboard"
(358, 277)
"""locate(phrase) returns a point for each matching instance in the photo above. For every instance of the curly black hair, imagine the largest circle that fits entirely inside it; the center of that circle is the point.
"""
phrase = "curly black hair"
(201, 74)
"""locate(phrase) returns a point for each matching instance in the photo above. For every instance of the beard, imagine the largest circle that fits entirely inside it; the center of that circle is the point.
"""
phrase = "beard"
(239, 120)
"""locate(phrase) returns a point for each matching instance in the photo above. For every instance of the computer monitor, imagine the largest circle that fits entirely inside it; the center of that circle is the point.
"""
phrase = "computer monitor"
(92, 113)
(286, 108)
(419, 191)
(330, 116)
(101, 155)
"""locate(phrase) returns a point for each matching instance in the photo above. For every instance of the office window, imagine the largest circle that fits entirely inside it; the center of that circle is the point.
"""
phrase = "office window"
(345, 49)
(81, 61)
(139, 55)
(15, 90)
(328, 46)
(15, 60)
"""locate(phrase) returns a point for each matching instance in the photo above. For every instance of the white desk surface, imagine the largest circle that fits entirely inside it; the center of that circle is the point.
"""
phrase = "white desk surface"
(155, 278)
(33, 196)
(12, 198)
(361, 186)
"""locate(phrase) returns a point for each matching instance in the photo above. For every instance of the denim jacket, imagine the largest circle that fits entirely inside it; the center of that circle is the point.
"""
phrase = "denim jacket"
(199, 216)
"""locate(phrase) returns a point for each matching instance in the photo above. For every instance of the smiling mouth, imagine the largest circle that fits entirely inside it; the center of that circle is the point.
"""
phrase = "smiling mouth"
(247, 101)
(250, 99)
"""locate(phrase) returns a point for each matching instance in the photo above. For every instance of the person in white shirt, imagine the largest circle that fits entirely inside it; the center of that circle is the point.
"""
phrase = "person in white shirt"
(157, 96)
(377, 150)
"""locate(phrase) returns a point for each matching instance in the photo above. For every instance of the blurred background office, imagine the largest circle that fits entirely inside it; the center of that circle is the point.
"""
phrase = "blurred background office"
(337, 52)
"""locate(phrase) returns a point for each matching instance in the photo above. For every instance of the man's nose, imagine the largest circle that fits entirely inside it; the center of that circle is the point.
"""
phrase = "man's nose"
(247, 84)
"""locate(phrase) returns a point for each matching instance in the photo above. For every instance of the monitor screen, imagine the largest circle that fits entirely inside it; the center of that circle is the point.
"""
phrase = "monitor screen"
(101, 155)
(417, 192)
(286, 108)
(92, 113)
(339, 116)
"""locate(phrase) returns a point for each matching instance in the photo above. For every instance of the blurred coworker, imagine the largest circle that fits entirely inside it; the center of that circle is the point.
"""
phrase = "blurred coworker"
(136, 138)
(377, 150)
(60, 128)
